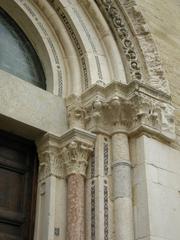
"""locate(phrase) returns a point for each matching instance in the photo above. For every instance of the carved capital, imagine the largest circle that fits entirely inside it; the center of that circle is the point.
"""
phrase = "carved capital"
(153, 115)
(128, 108)
(76, 146)
(75, 156)
(50, 162)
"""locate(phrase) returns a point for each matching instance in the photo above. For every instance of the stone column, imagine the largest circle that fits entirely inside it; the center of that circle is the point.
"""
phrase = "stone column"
(122, 195)
(75, 155)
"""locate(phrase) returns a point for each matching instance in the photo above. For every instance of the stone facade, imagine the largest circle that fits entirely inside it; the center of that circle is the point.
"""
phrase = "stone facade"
(107, 126)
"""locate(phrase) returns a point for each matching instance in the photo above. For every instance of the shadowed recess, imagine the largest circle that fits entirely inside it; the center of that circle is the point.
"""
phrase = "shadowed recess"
(17, 55)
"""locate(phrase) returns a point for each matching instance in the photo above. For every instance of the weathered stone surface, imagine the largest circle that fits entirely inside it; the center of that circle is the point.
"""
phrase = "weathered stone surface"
(163, 21)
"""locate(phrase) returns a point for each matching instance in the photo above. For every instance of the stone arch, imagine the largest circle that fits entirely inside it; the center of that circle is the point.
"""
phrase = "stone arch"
(111, 40)
(42, 39)
(97, 63)
(88, 42)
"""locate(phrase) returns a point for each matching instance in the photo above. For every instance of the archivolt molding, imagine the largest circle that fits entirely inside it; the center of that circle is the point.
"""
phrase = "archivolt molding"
(136, 46)
(130, 29)
(91, 57)
(123, 35)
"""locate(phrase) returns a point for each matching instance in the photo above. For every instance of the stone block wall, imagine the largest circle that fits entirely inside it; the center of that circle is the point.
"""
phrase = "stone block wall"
(156, 190)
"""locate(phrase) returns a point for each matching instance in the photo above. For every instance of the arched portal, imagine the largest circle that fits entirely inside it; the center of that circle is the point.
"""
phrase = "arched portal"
(104, 82)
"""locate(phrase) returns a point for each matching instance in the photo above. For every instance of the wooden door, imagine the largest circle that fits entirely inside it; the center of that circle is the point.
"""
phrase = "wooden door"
(18, 171)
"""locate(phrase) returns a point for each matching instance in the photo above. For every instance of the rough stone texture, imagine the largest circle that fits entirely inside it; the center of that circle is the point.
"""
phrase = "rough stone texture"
(75, 208)
(163, 17)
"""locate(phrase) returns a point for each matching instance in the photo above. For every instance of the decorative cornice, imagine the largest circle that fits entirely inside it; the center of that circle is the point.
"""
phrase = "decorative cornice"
(128, 108)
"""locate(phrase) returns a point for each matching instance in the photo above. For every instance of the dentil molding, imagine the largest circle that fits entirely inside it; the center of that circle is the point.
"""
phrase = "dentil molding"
(131, 108)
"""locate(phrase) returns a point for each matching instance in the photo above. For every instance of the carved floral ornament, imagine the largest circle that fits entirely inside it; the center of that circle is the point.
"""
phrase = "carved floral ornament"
(118, 107)
(65, 155)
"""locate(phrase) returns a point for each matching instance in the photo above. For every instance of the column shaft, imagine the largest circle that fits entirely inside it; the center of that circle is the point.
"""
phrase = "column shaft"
(121, 172)
(75, 215)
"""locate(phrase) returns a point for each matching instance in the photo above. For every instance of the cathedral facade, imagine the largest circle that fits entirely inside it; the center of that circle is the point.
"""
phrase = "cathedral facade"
(89, 120)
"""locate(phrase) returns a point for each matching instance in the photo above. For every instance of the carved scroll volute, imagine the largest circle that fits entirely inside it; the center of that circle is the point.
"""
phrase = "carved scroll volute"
(75, 157)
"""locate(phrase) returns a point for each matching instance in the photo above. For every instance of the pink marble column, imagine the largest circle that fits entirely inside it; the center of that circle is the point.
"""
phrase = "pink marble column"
(75, 211)
(75, 155)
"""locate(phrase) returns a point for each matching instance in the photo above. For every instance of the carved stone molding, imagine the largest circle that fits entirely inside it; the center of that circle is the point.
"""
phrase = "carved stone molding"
(135, 41)
(76, 146)
(50, 162)
(123, 33)
(128, 108)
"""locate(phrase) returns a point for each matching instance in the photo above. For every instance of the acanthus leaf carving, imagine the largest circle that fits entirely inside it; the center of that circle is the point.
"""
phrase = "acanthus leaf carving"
(75, 157)
(50, 162)
(50, 165)
(65, 155)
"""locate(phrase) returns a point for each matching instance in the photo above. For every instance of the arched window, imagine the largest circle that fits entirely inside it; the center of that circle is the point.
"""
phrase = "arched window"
(17, 55)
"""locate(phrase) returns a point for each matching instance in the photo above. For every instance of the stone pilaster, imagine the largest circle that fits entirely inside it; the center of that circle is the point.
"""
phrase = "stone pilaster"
(98, 207)
(51, 175)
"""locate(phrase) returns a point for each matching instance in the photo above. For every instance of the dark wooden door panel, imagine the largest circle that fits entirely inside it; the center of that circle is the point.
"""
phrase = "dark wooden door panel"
(18, 176)
(12, 186)
(10, 232)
